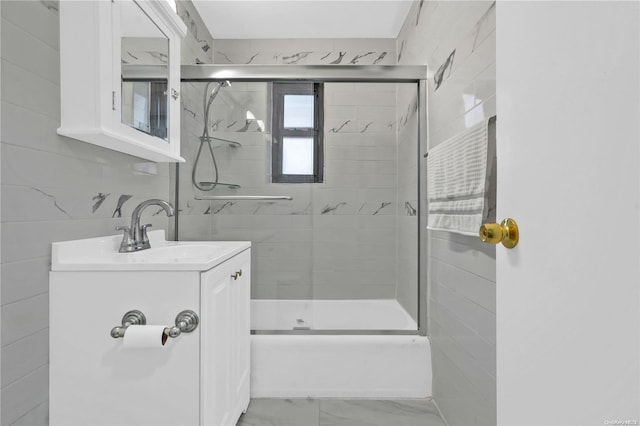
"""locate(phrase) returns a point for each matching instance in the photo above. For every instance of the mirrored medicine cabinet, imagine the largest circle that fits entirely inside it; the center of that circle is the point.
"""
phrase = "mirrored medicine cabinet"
(119, 66)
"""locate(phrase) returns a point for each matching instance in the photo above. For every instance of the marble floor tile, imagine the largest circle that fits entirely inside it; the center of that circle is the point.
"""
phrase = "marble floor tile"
(281, 412)
(409, 412)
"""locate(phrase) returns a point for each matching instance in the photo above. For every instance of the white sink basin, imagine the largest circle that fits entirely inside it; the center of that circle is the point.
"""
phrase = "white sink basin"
(101, 254)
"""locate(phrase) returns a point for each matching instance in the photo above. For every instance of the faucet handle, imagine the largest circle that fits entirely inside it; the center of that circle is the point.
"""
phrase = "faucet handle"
(143, 228)
(126, 238)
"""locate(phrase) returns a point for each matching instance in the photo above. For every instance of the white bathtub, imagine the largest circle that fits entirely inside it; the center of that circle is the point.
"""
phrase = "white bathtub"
(337, 366)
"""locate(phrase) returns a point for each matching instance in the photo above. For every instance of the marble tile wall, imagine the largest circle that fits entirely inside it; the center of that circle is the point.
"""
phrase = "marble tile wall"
(197, 46)
(53, 189)
(457, 42)
(306, 51)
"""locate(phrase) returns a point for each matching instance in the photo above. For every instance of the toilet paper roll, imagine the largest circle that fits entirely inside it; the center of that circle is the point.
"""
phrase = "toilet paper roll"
(145, 336)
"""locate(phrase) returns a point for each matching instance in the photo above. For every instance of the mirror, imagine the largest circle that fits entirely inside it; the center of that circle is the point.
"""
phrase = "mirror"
(145, 72)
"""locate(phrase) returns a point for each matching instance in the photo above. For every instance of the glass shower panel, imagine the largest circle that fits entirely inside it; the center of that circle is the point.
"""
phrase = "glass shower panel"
(362, 244)
(280, 230)
(342, 254)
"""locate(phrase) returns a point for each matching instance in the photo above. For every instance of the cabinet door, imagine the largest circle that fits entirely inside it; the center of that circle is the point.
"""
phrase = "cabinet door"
(94, 378)
(216, 347)
(146, 75)
(92, 76)
(240, 292)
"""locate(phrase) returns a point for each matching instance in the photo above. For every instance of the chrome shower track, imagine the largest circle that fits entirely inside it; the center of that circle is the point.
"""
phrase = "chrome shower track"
(319, 73)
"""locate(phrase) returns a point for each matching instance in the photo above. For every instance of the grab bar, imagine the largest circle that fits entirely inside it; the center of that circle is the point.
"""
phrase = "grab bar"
(243, 197)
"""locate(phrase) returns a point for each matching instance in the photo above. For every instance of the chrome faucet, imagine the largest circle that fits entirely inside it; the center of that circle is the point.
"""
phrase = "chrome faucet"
(135, 237)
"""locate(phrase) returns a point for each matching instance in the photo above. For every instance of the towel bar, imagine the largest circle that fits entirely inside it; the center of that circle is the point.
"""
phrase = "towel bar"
(243, 197)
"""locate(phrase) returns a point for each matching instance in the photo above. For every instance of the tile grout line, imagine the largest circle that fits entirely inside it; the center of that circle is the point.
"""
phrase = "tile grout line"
(29, 412)
(4, 346)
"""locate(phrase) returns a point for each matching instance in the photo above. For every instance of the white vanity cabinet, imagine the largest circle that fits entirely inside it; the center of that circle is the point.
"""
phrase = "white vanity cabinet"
(196, 378)
(120, 76)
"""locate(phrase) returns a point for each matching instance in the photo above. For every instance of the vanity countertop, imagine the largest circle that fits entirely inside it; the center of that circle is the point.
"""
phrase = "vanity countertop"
(101, 254)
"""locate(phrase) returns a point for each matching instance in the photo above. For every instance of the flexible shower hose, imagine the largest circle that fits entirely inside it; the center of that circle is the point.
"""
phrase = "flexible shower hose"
(206, 103)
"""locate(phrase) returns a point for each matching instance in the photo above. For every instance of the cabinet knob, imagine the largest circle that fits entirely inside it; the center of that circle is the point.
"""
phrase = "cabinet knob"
(237, 274)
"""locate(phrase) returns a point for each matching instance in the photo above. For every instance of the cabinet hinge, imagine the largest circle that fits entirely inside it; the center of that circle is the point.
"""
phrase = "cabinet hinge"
(113, 100)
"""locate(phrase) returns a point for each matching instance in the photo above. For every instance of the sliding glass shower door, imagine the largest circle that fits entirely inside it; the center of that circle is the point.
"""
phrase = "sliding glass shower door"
(334, 250)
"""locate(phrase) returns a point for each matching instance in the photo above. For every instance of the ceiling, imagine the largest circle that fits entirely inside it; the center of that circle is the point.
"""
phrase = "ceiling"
(260, 19)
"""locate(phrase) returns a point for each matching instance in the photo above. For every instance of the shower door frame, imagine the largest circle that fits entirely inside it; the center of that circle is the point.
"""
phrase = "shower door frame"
(415, 74)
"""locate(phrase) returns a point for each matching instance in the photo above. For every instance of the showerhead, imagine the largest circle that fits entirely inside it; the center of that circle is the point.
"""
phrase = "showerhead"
(216, 90)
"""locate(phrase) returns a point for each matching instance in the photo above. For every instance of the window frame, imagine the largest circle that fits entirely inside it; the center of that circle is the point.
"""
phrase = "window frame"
(279, 90)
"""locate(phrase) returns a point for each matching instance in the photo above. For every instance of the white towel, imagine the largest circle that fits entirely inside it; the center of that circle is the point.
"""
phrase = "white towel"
(457, 182)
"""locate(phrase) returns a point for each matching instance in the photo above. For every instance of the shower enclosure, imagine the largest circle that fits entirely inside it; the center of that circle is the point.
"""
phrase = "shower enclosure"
(319, 167)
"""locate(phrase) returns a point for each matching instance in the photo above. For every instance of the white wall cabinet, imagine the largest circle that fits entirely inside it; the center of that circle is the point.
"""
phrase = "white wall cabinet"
(120, 76)
(198, 378)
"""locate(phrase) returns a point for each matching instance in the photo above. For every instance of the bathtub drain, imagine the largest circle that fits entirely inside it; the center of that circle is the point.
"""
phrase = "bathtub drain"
(300, 325)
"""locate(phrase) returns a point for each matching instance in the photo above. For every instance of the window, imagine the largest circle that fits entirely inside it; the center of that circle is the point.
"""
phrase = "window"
(297, 151)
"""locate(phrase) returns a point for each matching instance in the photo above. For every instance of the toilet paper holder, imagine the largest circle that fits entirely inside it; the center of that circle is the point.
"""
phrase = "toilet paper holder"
(186, 322)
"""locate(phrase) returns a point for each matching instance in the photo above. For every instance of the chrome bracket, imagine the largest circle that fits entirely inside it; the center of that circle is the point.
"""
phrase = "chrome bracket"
(133, 317)
(186, 322)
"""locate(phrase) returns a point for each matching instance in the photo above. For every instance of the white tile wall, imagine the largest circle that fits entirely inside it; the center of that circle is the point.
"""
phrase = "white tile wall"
(48, 187)
(461, 303)
(24, 356)
(39, 415)
(22, 397)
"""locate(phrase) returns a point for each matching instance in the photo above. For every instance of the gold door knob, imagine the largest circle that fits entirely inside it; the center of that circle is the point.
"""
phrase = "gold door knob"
(505, 232)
